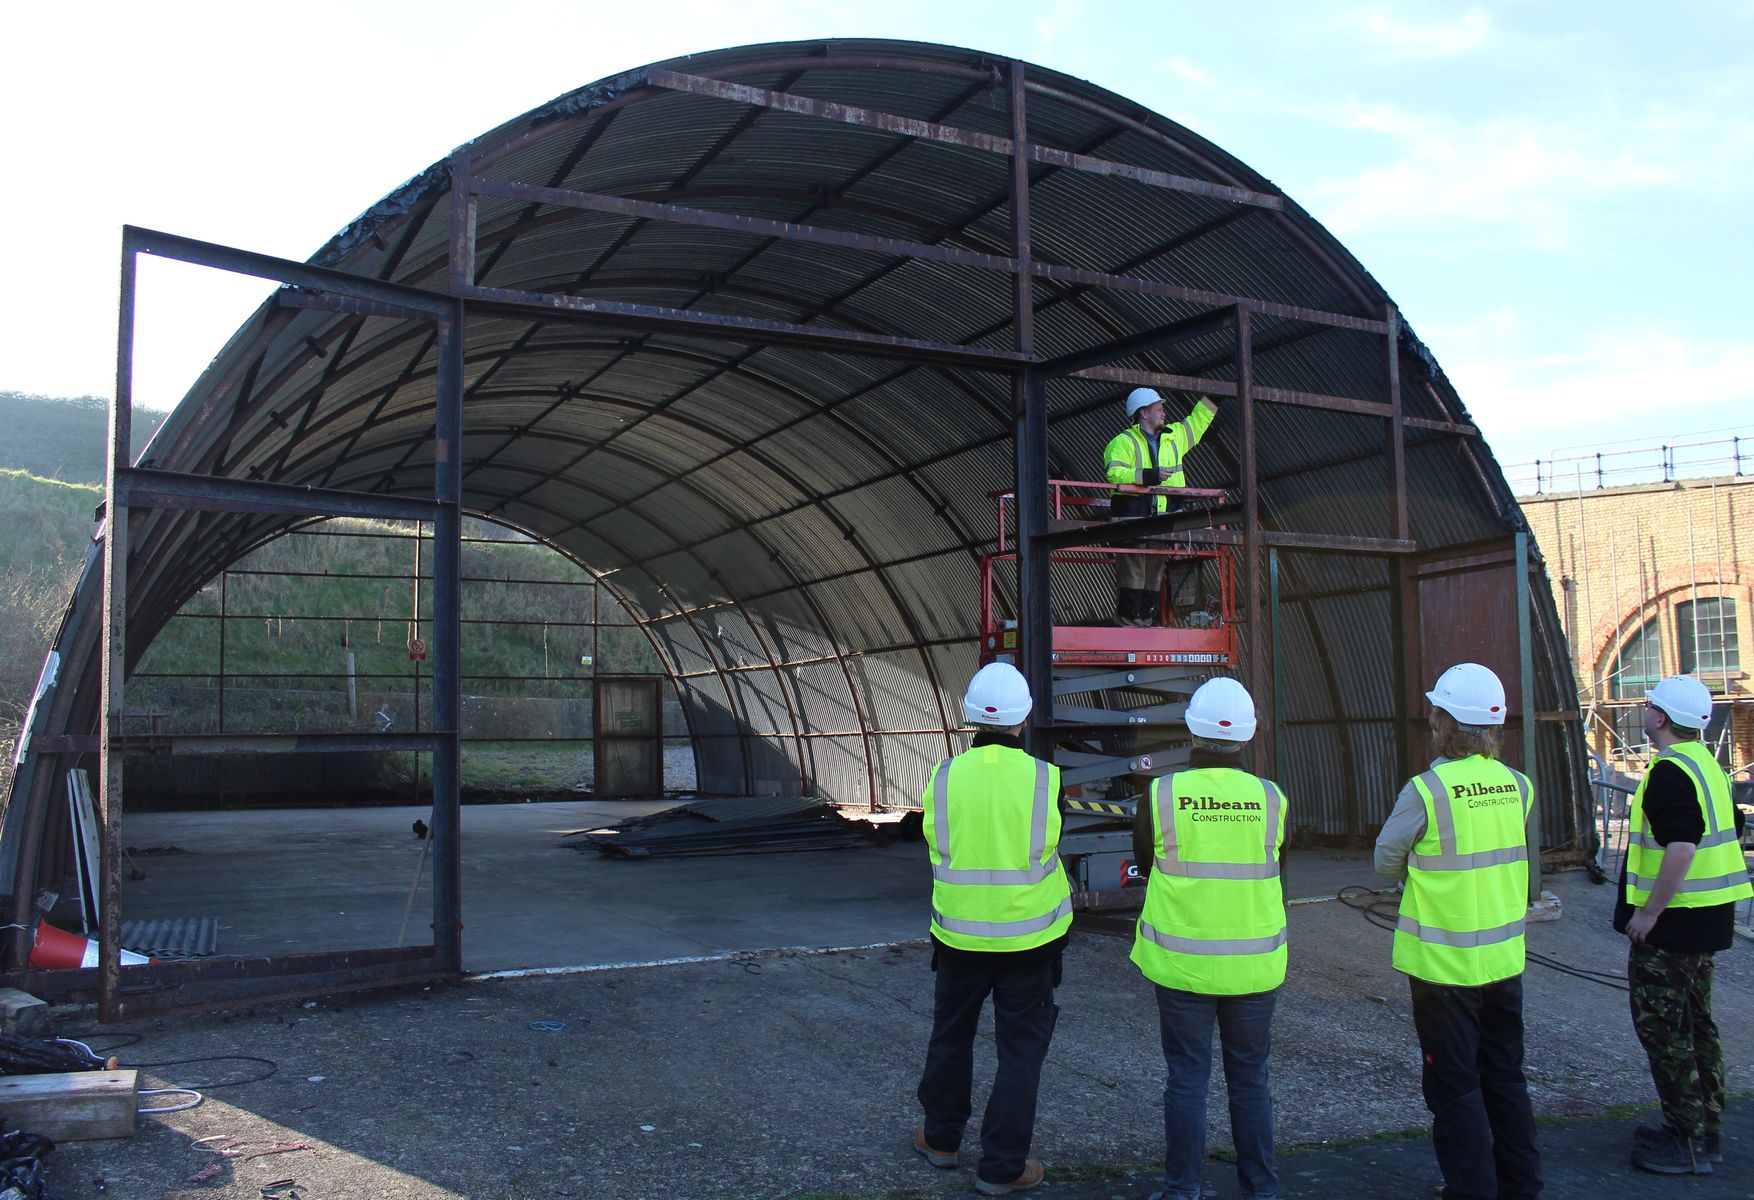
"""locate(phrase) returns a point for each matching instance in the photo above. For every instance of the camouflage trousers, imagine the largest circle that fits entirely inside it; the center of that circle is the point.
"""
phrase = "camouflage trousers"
(1671, 1011)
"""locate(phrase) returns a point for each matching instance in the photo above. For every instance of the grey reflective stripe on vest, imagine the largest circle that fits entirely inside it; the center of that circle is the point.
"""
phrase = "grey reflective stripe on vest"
(1000, 929)
(1038, 839)
(1645, 883)
(1182, 945)
(1446, 820)
(1172, 862)
(1434, 936)
(1467, 862)
(1692, 768)
(1646, 841)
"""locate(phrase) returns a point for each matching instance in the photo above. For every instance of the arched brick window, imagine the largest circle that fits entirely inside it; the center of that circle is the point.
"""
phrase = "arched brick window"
(1705, 632)
(1639, 663)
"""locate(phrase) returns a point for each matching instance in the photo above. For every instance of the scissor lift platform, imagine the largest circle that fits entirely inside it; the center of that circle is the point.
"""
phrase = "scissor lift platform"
(1119, 692)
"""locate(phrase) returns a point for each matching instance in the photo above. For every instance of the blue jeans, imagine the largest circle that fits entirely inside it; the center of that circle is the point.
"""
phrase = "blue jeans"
(1245, 1025)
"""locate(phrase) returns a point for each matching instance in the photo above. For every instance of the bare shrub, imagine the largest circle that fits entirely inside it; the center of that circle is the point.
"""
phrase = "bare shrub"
(31, 603)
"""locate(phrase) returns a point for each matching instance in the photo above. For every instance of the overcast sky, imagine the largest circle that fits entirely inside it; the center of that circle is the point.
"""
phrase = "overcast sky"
(1556, 192)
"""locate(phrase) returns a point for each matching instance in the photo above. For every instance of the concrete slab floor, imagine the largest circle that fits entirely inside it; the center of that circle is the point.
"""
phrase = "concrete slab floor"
(793, 1075)
(292, 881)
(300, 880)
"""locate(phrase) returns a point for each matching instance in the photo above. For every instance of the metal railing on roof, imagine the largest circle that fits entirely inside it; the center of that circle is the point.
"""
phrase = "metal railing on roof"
(1667, 463)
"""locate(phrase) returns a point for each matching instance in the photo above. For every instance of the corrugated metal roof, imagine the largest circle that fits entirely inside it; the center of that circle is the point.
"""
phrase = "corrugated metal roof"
(832, 508)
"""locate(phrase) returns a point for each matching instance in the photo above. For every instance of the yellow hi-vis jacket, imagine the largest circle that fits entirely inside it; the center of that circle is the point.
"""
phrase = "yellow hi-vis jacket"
(993, 832)
(1214, 916)
(1467, 892)
(1128, 458)
(1718, 873)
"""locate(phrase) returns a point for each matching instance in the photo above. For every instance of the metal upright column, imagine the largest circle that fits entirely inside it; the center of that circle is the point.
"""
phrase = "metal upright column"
(1274, 622)
(1253, 615)
(115, 653)
(447, 917)
(1029, 414)
(1526, 667)
(1403, 530)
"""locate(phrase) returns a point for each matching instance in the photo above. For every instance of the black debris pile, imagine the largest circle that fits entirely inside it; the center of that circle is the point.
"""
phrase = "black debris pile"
(21, 1165)
(732, 825)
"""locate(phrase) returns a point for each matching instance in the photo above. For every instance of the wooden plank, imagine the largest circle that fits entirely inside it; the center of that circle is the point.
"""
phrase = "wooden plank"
(23, 1014)
(74, 1106)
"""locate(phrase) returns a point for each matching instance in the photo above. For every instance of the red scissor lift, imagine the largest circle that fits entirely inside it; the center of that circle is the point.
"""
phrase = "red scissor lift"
(1120, 692)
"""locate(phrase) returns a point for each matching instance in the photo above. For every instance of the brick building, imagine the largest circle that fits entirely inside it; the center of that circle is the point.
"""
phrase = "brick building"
(1651, 580)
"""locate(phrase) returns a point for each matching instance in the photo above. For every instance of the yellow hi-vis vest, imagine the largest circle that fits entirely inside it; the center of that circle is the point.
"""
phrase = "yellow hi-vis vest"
(993, 831)
(1718, 873)
(1128, 455)
(1214, 916)
(1467, 892)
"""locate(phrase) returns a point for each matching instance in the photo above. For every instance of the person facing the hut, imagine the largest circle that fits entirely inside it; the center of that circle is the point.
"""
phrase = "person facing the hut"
(1458, 837)
(1001, 909)
(1211, 938)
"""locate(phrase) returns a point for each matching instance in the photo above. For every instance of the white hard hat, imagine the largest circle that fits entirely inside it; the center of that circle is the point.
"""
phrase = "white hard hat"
(1222, 710)
(997, 695)
(1141, 397)
(1471, 694)
(1685, 700)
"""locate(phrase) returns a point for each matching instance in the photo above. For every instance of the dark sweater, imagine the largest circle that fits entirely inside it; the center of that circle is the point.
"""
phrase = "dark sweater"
(1671, 805)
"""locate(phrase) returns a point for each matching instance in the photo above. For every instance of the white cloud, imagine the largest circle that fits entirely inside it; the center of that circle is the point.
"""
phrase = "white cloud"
(1187, 71)
(1390, 38)
(1605, 388)
(1531, 176)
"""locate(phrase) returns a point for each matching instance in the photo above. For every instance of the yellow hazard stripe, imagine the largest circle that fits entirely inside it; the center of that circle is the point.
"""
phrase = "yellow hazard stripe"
(1097, 806)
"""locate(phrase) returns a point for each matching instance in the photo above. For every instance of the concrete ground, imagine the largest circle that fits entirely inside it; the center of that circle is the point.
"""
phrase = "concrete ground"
(792, 1073)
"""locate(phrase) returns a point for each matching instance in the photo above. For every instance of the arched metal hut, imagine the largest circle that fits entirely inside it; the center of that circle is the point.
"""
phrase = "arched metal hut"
(755, 335)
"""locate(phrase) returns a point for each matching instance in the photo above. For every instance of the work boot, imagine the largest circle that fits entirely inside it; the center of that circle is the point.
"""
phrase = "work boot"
(944, 1160)
(1672, 1153)
(1657, 1130)
(1032, 1174)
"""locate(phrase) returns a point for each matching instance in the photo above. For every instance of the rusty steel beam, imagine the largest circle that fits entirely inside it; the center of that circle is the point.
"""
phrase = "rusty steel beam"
(413, 302)
(1226, 388)
(142, 487)
(677, 214)
(649, 210)
(202, 985)
(654, 318)
(1459, 428)
(932, 131)
(1253, 555)
(1170, 291)
(1175, 524)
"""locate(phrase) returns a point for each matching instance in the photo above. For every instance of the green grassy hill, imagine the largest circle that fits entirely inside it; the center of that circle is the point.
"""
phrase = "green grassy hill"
(63, 437)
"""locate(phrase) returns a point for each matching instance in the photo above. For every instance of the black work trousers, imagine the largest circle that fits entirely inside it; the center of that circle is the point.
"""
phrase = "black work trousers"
(1482, 1126)
(1022, 988)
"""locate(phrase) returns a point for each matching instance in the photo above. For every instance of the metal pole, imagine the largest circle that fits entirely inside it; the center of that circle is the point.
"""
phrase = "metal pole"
(1277, 716)
(1692, 593)
(115, 647)
(447, 659)
(1251, 507)
(1029, 414)
(1403, 529)
(1717, 558)
(1526, 665)
(223, 577)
